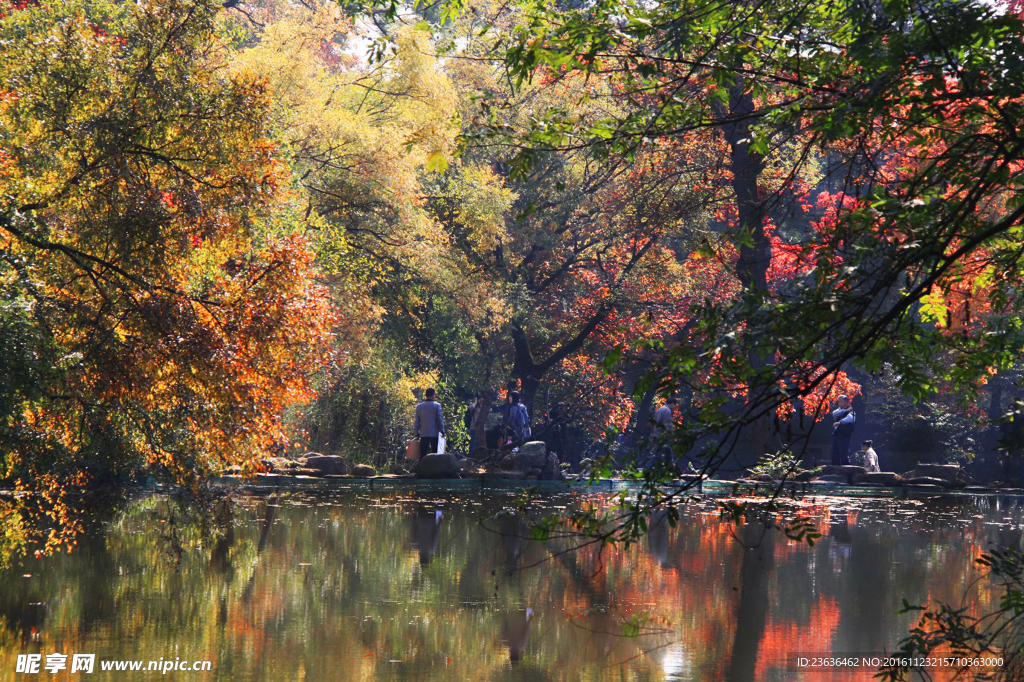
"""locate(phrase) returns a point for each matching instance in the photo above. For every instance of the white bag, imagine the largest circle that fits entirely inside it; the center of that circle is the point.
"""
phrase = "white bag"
(441, 440)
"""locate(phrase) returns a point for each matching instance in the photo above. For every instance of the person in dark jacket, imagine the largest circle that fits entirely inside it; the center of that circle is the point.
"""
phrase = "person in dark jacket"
(478, 423)
(843, 420)
(518, 419)
(429, 423)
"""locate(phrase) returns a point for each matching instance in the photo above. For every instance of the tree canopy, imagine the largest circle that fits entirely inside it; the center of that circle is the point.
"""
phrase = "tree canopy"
(212, 216)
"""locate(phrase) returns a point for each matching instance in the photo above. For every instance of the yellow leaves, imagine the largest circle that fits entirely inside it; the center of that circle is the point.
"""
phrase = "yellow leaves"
(437, 162)
(174, 332)
(934, 309)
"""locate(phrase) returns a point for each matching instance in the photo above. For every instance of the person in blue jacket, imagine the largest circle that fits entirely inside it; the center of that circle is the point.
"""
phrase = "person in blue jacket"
(518, 418)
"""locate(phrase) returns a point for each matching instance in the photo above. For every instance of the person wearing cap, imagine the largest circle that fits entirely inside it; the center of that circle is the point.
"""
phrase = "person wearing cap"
(843, 420)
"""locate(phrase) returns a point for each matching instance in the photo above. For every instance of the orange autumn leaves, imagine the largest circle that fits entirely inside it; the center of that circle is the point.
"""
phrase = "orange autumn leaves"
(173, 315)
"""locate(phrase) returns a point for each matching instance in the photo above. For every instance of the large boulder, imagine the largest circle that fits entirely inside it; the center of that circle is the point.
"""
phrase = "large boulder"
(947, 472)
(363, 470)
(324, 465)
(437, 466)
(532, 455)
(511, 475)
(882, 478)
(278, 465)
(551, 471)
(832, 479)
(846, 470)
(928, 480)
(926, 487)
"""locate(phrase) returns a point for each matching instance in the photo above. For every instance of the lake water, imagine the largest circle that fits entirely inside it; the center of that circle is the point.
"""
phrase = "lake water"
(405, 586)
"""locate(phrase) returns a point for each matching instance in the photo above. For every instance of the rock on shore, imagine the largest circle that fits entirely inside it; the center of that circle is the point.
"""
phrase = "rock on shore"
(951, 473)
(324, 465)
(850, 472)
(882, 478)
(437, 466)
(363, 470)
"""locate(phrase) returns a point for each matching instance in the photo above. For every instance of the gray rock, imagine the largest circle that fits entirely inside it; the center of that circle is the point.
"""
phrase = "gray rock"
(761, 478)
(804, 477)
(832, 479)
(846, 470)
(926, 487)
(437, 466)
(928, 480)
(551, 471)
(278, 464)
(947, 472)
(882, 477)
(364, 470)
(325, 465)
(532, 455)
(512, 475)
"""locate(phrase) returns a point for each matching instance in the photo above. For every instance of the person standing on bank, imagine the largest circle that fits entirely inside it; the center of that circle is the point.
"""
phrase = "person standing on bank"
(478, 425)
(665, 417)
(518, 419)
(429, 423)
(664, 421)
(843, 420)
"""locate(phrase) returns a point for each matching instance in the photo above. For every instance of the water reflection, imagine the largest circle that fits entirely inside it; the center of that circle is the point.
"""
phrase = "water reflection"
(757, 545)
(410, 587)
(426, 530)
(515, 631)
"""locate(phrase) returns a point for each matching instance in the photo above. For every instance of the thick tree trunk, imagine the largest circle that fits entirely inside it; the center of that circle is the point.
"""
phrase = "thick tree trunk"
(746, 166)
(525, 368)
(530, 384)
(755, 248)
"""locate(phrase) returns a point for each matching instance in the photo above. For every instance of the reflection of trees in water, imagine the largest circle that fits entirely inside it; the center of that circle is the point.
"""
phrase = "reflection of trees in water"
(752, 612)
(304, 587)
